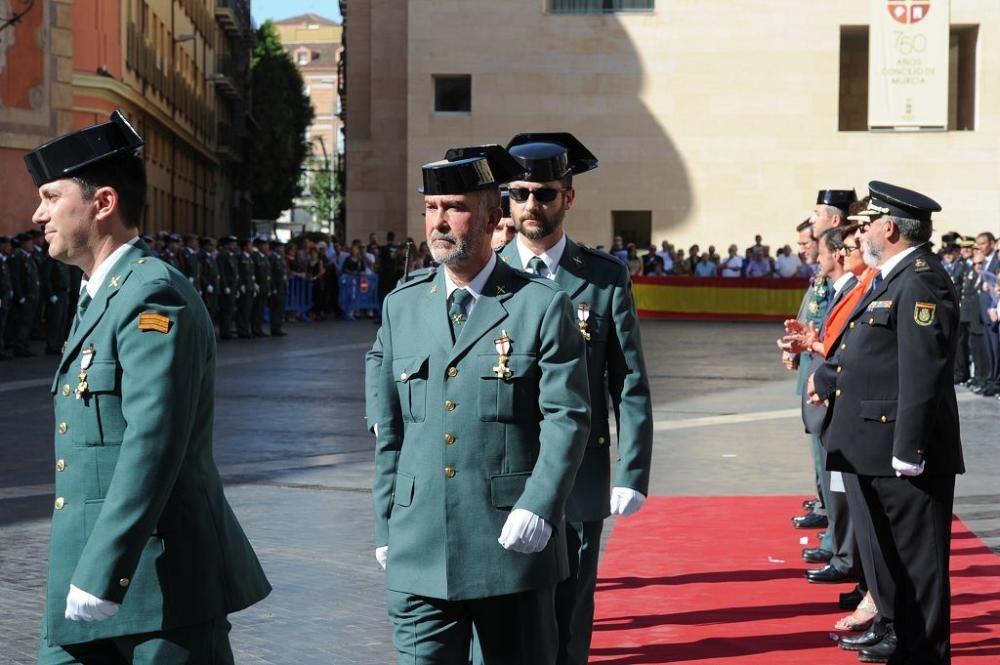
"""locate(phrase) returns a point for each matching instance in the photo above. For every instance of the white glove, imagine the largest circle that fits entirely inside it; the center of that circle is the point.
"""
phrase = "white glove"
(905, 468)
(226, 291)
(382, 555)
(191, 279)
(525, 532)
(243, 288)
(256, 290)
(53, 299)
(21, 301)
(81, 606)
(625, 501)
(210, 289)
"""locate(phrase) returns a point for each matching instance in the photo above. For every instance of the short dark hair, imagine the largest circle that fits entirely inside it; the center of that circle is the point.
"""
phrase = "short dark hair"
(126, 174)
(804, 225)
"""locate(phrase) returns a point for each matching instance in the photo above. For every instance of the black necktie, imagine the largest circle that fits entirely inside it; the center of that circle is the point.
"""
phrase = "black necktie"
(457, 310)
(537, 266)
(876, 281)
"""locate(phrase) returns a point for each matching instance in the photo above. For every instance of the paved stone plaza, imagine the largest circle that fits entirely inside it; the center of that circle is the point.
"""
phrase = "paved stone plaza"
(292, 445)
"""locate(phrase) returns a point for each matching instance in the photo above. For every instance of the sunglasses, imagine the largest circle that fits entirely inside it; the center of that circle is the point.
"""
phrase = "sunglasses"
(542, 195)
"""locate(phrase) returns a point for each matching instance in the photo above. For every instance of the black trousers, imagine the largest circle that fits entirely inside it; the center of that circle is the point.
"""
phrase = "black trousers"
(981, 371)
(964, 354)
(912, 522)
(841, 528)
(876, 572)
(55, 323)
(22, 323)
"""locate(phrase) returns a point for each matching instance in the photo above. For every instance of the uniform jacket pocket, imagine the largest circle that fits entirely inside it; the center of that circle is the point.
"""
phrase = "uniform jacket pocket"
(881, 410)
(404, 489)
(507, 488)
(501, 398)
(96, 418)
(411, 383)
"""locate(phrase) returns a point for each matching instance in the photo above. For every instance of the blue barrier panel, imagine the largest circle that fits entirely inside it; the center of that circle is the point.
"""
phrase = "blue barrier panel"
(357, 292)
(300, 297)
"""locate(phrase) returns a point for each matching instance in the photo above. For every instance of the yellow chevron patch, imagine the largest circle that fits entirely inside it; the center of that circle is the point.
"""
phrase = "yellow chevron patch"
(154, 321)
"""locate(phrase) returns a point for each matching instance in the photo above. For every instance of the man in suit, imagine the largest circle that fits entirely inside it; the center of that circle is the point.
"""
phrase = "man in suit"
(986, 245)
(894, 420)
(146, 557)
(482, 421)
(600, 289)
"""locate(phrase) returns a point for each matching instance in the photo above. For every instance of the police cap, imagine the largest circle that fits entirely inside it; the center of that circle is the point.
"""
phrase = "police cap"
(968, 242)
(470, 169)
(66, 155)
(551, 155)
(897, 201)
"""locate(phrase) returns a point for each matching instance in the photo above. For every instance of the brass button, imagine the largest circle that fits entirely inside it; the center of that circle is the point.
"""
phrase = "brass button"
(65, 390)
(402, 377)
(449, 472)
(449, 405)
(884, 419)
(843, 346)
(124, 582)
(851, 325)
(63, 428)
(839, 368)
(60, 502)
(600, 440)
(61, 465)
(449, 438)
(837, 393)
(453, 372)
(871, 321)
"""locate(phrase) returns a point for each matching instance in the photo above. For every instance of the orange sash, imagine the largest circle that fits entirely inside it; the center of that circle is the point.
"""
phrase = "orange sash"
(842, 310)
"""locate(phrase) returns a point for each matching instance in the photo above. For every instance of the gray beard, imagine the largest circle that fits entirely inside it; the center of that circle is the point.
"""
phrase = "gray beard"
(457, 254)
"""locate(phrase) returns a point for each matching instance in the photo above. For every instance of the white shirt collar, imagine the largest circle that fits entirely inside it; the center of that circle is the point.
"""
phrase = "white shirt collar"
(475, 286)
(93, 283)
(552, 257)
(842, 282)
(887, 267)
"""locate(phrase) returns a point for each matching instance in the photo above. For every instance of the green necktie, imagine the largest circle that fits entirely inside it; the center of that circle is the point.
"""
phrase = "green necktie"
(457, 310)
(537, 266)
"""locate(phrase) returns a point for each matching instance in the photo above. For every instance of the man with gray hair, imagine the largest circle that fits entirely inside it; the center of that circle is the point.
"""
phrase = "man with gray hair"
(895, 423)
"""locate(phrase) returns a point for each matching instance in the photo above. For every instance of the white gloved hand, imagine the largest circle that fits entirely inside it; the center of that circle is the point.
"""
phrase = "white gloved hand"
(382, 555)
(53, 299)
(191, 279)
(21, 301)
(525, 532)
(82, 606)
(625, 501)
(905, 468)
(210, 289)
(227, 290)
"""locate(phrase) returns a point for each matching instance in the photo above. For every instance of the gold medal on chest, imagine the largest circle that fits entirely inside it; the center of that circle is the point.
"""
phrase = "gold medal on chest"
(85, 361)
(503, 352)
(582, 317)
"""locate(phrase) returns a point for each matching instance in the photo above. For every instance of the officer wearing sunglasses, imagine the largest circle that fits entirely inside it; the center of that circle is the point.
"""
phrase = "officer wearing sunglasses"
(599, 286)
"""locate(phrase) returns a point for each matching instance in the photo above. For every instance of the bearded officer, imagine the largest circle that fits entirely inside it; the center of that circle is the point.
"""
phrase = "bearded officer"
(481, 424)
(598, 285)
(895, 423)
(146, 557)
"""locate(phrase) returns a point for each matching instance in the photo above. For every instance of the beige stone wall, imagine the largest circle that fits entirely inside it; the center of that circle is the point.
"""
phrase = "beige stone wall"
(720, 117)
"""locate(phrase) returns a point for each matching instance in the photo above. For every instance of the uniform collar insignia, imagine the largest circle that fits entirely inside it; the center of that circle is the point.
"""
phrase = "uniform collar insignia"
(114, 281)
(500, 290)
(434, 289)
(577, 260)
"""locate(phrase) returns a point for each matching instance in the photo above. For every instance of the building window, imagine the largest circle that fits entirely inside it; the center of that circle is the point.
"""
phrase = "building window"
(302, 57)
(853, 93)
(599, 6)
(634, 226)
(453, 93)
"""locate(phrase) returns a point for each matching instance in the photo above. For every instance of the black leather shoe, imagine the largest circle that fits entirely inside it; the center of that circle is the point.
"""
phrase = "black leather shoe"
(881, 652)
(869, 638)
(810, 521)
(810, 504)
(829, 575)
(816, 555)
(851, 600)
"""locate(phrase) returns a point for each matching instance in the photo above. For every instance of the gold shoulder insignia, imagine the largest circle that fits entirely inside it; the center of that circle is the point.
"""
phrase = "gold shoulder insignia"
(155, 322)
(923, 313)
(920, 265)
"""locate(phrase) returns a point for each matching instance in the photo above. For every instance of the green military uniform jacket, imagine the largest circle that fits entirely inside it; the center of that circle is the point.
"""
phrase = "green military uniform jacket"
(812, 310)
(616, 367)
(140, 517)
(458, 448)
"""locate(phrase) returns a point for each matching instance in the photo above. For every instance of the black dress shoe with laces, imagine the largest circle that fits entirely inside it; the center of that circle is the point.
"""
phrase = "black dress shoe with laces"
(869, 638)
(816, 555)
(810, 521)
(881, 652)
(828, 574)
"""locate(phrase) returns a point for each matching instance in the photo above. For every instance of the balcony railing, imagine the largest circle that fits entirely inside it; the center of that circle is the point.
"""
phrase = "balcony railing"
(233, 16)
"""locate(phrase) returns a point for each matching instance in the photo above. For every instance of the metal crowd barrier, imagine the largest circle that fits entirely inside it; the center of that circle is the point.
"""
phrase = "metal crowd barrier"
(300, 297)
(358, 292)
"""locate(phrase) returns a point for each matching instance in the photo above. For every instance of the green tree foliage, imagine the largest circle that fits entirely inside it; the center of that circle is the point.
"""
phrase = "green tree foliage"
(282, 112)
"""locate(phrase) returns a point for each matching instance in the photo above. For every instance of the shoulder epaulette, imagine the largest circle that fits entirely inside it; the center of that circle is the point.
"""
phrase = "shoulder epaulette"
(421, 276)
(921, 265)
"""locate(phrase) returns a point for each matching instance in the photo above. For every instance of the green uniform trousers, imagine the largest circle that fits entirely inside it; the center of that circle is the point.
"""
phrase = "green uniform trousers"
(199, 644)
(575, 594)
(515, 629)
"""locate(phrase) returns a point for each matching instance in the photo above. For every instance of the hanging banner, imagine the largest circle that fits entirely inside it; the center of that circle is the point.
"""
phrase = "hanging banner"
(908, 64)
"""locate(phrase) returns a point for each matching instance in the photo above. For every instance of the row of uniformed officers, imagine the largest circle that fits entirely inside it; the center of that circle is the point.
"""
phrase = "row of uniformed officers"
(493, 434)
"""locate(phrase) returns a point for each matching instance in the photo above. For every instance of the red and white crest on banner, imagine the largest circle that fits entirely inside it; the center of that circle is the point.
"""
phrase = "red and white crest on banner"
(908, 12)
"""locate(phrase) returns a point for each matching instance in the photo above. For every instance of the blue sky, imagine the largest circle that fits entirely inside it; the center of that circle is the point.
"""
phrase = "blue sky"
(279, 9)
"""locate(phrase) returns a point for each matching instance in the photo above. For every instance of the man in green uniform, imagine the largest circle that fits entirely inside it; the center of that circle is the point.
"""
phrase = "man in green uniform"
(247, 291)
(146, 557)
(57, 283)
(598, 285)
(262, 279)
(6, 292)
(279, 287)
(482, 420)
(27, 287)
(210, 279)
(229, 271)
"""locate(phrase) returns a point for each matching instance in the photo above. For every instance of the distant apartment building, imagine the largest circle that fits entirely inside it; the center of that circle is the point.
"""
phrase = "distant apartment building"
(314, 45)
(713, 120)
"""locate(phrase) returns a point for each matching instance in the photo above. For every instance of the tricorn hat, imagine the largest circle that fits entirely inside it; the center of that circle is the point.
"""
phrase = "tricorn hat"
(838, 198)
(63, 156)
(551, 155)
(470, 169)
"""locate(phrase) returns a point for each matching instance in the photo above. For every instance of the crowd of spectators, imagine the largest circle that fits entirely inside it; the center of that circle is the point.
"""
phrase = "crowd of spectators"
(754, 261)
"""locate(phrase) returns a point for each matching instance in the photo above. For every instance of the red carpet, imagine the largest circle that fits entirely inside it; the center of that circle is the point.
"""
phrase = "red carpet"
(719, 580)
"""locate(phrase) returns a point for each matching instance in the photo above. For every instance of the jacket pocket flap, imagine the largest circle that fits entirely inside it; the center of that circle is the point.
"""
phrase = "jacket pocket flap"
(410, 367)
(507, 488)
(882, 410)
(102, 377)
(878, 317)
(404, 489)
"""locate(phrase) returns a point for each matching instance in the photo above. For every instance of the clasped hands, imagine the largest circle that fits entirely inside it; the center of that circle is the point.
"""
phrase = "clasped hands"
(798, 337)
